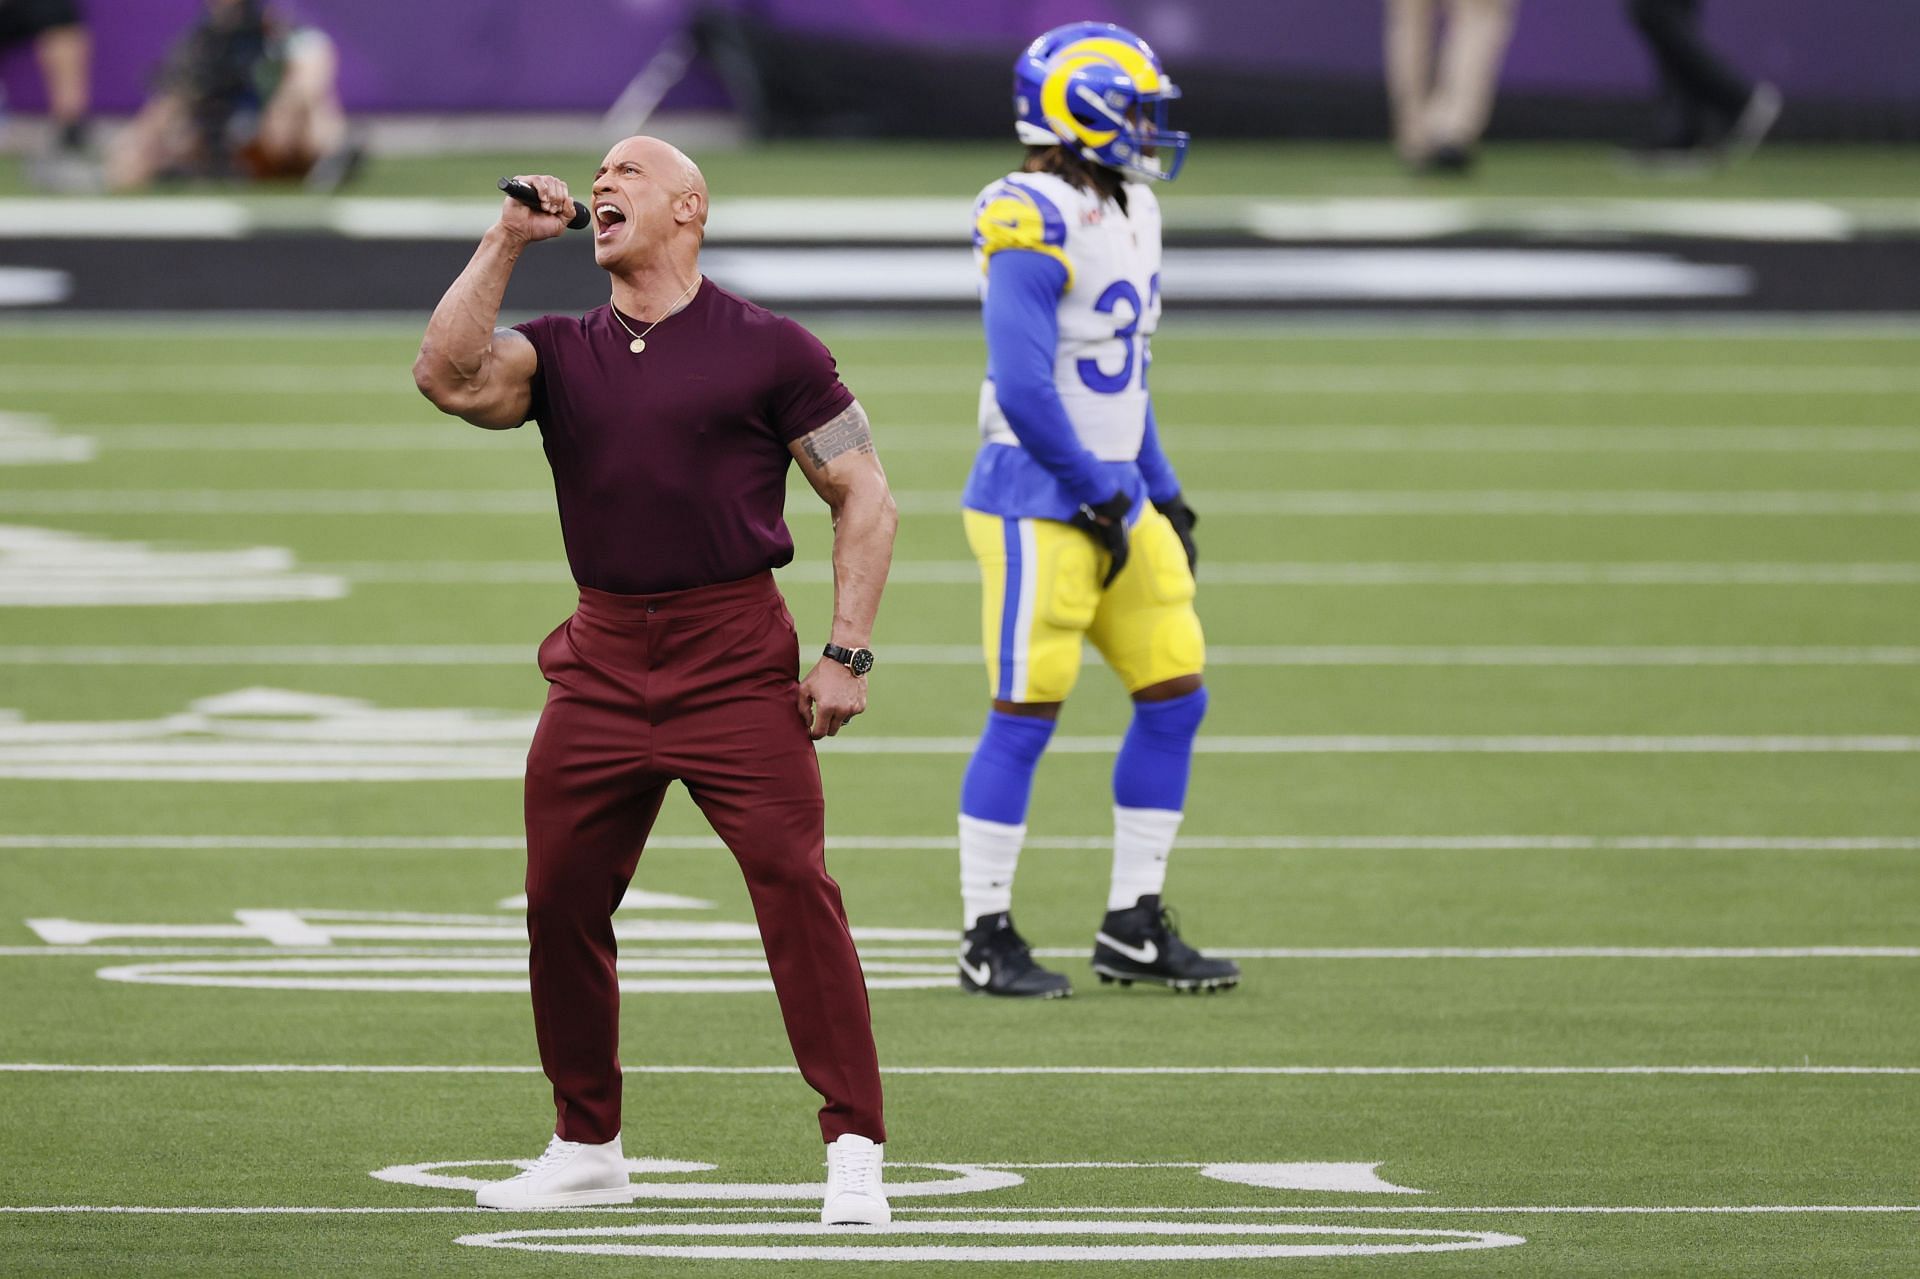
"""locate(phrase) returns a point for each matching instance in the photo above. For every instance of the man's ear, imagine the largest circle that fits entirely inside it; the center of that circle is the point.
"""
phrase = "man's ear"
(688, 207)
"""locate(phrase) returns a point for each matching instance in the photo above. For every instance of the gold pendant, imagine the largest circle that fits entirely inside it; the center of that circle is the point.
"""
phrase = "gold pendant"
(637, 345)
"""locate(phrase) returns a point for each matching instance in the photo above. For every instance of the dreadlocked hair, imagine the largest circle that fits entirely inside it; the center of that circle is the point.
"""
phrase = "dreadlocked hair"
(1078, 172)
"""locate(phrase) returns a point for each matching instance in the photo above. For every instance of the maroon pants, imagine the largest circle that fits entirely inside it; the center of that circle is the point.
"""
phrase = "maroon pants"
(696, 686)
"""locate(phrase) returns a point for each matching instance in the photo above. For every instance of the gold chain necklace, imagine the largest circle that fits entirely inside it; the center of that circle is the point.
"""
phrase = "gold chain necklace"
(639, 342)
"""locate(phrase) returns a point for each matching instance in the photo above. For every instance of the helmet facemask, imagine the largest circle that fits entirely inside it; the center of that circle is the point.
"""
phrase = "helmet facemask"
(1099, 92)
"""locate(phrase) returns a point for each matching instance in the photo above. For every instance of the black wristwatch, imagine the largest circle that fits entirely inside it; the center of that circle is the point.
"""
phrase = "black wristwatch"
(857, 660)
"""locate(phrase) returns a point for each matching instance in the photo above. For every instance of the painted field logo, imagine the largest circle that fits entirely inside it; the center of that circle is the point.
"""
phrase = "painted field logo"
(47, 567)
(272, 735)
(999, 1234)
(1014, 1241)
(404, 952)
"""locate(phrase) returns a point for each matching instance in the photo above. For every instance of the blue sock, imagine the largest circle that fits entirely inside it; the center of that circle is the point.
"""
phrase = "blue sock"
(1156, 755)
(1000, 776)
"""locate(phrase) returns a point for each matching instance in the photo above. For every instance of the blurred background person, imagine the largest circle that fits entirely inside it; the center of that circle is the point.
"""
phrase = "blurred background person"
(1712, 112)
(61, 48)
(247, 92)
(1442, 83)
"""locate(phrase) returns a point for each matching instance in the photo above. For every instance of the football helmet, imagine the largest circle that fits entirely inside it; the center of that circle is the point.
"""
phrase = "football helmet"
(1098, 90)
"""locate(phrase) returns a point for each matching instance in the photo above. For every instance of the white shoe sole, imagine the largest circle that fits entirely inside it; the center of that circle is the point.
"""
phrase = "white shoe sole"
(856, 1210)
(565, 1199)
(1754, 124)
(1183, 984)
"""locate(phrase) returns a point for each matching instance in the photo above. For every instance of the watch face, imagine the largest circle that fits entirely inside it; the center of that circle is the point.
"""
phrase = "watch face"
(861, 662)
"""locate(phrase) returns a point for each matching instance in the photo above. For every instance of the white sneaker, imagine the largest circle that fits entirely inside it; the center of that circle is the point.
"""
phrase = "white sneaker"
(1756, 121)
(571, 1174)
(855, 1196)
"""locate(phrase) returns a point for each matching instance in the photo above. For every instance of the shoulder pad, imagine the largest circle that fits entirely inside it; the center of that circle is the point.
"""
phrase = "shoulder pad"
(1016, 215)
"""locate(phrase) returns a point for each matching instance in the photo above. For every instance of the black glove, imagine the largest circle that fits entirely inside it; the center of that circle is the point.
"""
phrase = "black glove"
(1182, 517)
(1107, 524)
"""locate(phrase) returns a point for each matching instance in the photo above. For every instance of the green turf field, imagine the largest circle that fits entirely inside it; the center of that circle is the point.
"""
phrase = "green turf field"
(1215, 168)
(1559, 799)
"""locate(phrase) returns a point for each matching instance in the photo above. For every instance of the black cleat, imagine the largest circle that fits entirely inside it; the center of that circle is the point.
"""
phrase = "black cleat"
(994, 960)
(1448, 161)
(1141, 943)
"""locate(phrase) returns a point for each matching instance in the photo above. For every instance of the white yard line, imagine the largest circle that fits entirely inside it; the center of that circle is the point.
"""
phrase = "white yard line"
(1540, 952)
(1217, 574)
(1459, 327)
(1264, 438)
(948, 843)
(68, 756)
(137, 1210)
(507, 950)
(1298, 503)
(1557, 655)
(335, 1068)
(368, 843)
(512, 950)
(1525, 502)
(1357, 744)
(412, 437)
(262, 1210)
(521, 655)
(509, 927)
(347, 502)
(1196, 378)
(408, 437)
(1541, 1209)
(1456, 327)
(319, 379)
(272, 655)
(1432, 1209)
(1503, 573)
(549, 572)
(1185, 377)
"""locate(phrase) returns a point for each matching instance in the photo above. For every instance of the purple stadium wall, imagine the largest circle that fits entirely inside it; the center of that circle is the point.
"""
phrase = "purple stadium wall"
(504, 55)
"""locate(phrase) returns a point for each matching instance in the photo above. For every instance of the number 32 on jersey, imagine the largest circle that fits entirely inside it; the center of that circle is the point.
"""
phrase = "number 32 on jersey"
(1120, 299)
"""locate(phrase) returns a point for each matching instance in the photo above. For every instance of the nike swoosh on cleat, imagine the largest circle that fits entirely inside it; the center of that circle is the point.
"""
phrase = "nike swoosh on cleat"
(978, 976)
(1138, 954)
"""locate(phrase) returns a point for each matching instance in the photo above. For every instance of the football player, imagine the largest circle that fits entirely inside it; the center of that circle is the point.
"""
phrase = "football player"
(1072, 508)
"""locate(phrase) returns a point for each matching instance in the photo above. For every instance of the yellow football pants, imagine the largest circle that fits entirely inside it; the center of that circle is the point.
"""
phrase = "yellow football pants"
(1041, 595)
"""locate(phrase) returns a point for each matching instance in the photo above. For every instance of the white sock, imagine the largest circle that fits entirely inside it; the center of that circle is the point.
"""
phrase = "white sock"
(989, 852)
(1142, 838)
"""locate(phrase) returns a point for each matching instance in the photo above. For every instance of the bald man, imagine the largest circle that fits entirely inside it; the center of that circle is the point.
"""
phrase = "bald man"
(670, 417)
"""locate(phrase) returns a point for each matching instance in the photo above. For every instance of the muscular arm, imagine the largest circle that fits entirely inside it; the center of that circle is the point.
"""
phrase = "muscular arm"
(838, 459)
(466, 366)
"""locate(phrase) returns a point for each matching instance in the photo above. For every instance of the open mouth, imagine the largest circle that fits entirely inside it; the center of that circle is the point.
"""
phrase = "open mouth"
(607, 218)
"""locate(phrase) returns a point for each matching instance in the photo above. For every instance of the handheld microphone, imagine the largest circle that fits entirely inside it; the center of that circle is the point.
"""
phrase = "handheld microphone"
(528, 196)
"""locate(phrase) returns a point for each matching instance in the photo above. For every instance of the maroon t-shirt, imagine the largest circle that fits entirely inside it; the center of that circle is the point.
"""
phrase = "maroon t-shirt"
(671, 465)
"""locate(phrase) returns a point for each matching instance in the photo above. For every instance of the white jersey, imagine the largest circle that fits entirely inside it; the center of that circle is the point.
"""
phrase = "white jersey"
(1108, 311)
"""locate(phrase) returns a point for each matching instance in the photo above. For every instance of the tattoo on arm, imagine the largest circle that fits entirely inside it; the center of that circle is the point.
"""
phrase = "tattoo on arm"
(846, 433)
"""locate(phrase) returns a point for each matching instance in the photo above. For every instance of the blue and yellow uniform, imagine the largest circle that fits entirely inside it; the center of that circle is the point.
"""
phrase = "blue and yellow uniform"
(1070, 294)
(1071, 298)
